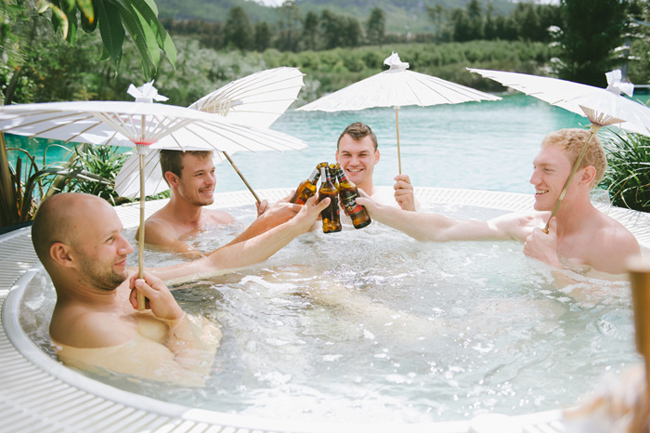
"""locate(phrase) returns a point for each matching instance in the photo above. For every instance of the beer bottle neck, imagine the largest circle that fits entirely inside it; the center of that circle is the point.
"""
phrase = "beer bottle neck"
(313, 177)
(324, 174)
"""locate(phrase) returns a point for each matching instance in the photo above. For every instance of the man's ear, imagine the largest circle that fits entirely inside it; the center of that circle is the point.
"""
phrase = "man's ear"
(376, 156)
(172, 179)
(588, 175)
(336, 155)
(62, 254)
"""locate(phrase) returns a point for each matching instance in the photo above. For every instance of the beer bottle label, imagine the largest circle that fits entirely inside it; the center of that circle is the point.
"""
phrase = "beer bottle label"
(350, 205)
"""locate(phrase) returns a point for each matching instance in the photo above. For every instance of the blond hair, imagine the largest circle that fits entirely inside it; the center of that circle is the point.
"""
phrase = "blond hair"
(571, 141)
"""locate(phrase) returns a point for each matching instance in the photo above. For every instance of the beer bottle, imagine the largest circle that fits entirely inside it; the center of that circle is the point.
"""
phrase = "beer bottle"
(330, 215)
(307, 188)
(349, 193)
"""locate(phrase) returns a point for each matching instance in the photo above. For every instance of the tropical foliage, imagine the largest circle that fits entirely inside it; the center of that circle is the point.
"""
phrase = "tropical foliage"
(628, 174)
(25, 185)
(112, 18)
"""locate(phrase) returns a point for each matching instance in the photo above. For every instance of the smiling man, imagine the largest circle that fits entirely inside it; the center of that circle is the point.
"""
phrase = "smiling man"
(191, 178)
(357, 153)
(95, 324)
(580, 236)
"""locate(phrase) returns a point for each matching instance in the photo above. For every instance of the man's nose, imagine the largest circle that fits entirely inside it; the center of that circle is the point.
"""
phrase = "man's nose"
(125, 247)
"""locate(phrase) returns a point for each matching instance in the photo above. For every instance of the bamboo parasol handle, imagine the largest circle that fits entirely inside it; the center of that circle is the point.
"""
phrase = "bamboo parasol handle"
(399, 157)
(250, 188)
(140, 296)
(593, 131)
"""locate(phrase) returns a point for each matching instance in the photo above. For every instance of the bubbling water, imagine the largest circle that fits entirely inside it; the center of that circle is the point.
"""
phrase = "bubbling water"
(372, 326)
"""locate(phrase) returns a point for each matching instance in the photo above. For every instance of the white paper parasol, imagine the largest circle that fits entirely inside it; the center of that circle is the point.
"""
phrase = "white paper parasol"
(603, 107)
(256, 100)
(397, 87)
(141, 124)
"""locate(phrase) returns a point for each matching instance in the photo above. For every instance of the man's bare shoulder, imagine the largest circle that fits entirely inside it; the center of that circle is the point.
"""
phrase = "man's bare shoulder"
(77, 327)
(617, 238)
(217, 217)
(160, 230)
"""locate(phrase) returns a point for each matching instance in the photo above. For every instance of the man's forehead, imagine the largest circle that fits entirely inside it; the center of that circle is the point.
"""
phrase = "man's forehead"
(197, 163)
(551, 155)
(349, 144)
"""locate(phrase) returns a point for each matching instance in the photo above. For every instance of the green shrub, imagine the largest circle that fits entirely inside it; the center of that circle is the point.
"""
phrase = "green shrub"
(628, 173)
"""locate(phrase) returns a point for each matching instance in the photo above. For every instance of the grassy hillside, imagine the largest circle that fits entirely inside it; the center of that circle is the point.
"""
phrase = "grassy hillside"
(401, 15)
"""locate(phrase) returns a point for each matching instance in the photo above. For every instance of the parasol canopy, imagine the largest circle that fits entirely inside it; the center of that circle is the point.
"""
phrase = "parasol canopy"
(603, 107)
(142, 124)
(256, 100)
(397, 87)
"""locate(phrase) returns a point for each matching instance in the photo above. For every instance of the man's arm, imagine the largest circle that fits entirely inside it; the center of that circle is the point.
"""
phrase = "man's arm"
(435, 227)
(269, 217)
(251, 251)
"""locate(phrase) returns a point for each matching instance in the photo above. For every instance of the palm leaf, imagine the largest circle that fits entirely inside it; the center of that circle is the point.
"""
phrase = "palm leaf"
(111, 30)
(143, 36)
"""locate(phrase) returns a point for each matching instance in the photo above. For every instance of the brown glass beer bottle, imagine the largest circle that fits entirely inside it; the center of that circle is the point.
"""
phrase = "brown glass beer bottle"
(349, 192)
(307, 188)
(330, 215)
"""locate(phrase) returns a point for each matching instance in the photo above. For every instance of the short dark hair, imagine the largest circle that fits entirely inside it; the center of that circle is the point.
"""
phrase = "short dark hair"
(172, 160)
(358, 131)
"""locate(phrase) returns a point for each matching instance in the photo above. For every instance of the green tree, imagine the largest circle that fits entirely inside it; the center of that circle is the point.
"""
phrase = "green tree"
(490, 29)
(289, 26)
(310, 30)
(591, 32)
(475, 15)
(332, 27)
(351, 32)
(376, 26)
(262, 36)
(462, 25)
(437, 14)
(639, 66)
(239, 29)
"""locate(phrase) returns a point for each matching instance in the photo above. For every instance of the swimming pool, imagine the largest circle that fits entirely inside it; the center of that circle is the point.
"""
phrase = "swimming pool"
(480, 350)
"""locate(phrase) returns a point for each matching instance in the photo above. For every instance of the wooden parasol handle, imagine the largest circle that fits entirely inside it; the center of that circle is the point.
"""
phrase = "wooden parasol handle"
(250, 188)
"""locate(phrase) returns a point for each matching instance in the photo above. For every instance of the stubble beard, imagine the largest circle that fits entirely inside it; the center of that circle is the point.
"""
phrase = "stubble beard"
(98, 278)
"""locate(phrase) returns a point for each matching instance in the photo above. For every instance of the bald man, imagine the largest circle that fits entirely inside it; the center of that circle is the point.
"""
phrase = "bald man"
(95, 324)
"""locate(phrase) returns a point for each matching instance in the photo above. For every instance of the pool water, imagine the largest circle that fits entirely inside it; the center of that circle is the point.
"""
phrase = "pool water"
(475, 145)
(370, 326)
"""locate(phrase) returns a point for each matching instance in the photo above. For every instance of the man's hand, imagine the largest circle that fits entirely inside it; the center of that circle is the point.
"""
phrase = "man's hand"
(262, 207)
(280, 212)
(404, 192)
(310, 212)
(365, 201)
(159, 299)
(542, 246)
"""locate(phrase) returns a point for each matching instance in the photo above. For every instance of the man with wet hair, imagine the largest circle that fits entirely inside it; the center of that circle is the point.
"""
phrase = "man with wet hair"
(191, 179)
(357, 152)
(95, 324)
(580, 237)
